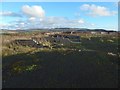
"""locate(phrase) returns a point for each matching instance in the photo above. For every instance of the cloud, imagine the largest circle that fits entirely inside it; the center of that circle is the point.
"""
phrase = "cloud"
(4, 25)
(33, 11)
(54, 22)
(95, 10)
(9, 14)
(81, 21)
(32, 19)
(92, 24)
(47, 22)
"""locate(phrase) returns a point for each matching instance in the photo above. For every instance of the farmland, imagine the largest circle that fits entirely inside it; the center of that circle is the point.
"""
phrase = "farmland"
(89, 64)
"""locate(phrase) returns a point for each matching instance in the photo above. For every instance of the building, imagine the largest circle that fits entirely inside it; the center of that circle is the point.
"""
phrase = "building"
(28, 42)
(63, 39)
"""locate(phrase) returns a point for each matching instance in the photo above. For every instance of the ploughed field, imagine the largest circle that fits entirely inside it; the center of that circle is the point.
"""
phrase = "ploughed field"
(91, 64)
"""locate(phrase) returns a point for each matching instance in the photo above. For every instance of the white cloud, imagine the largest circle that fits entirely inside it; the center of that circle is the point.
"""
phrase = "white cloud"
(32, 19)
(61, 22)
(4, 25)
(95, 10)
(10, 14)
(22, 23)
(92, 24)
(85, 7)
(33, 11)
(81, 21)
(47, 22)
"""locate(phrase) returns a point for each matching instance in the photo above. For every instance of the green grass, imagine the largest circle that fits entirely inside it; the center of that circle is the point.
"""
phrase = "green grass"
(62, 67)
(49, 69)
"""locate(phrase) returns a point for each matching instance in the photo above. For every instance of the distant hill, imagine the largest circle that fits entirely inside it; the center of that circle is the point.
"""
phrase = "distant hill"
(57, 29)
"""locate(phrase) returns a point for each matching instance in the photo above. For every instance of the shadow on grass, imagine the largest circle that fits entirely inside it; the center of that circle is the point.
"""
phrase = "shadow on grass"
(60, 69)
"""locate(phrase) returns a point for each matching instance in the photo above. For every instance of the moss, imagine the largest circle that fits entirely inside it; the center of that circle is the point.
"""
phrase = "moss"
(21, 69)
(110, 41)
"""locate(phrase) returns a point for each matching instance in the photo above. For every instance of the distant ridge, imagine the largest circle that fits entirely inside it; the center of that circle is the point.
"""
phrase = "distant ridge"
(59, 29)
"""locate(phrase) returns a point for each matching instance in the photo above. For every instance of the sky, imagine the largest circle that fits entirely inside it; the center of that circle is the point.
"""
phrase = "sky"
(28, 15)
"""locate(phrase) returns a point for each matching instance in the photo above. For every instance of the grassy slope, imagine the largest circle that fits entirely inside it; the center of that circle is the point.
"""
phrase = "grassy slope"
(76, 69)
(92, 67)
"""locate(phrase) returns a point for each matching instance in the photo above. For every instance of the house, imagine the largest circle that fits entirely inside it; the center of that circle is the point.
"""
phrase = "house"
(112, 32)
(104, 33)
(57, 39)
(63, 39)
(28, 42)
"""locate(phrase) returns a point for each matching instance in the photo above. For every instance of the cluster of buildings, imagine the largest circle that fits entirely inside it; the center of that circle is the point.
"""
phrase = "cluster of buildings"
(93, 32)
(52, 40)
(60, 38)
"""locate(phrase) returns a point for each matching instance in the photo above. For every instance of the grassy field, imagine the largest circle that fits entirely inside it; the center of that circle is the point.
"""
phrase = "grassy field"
(90, 64)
